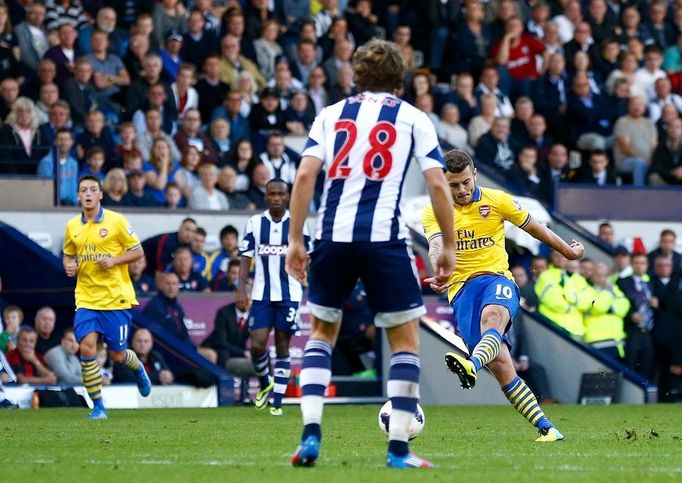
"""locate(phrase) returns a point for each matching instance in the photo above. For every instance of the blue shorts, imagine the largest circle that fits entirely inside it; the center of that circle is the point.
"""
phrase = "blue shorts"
(387, 271)
(113, 325)
(474, 296)
(282, 316)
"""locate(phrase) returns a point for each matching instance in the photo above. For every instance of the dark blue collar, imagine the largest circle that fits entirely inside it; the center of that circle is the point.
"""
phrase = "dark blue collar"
(477, 194)
(98, 219)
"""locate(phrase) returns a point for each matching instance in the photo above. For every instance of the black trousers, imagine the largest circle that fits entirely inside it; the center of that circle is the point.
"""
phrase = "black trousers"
(639, 352)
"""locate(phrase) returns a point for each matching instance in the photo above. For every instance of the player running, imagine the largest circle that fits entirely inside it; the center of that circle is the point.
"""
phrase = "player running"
(365, 144)
(482, 292)
(98, 246)
(275, 293)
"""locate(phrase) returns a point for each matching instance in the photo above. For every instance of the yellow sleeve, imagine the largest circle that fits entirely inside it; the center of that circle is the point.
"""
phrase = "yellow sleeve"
(127, 235)
(429, 222)
(69, 246)
(512, 211)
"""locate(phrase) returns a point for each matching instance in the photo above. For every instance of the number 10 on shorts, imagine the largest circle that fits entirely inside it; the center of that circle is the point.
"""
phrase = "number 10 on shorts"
(503, 291)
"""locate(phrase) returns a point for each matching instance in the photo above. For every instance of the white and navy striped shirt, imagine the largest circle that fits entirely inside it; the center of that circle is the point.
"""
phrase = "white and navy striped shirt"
(267, 240)
(366, 143)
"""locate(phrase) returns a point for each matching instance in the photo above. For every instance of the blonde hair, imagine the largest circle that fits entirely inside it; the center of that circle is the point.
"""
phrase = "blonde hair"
(108, 180)
(23, 103)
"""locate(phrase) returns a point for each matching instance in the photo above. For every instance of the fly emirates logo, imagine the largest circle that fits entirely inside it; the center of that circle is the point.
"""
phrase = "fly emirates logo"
(466, 240)
(272, 250)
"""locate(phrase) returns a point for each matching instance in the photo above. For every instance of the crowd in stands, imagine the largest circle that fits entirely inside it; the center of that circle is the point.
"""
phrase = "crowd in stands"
(630, 311)
(586, 92)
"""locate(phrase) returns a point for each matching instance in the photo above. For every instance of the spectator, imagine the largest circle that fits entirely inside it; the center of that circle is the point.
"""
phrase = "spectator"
(343, 51)
(205, 196)
(602, 21)
(210, 89)
(666, 164)
(28, 365)
(606, 235)
(104, 363)
(154, 364)
(645, 77)
(145, 140)
(598, 172)
(211, 20)
(497, 148)
(277, 161)
(199, 255)
(230, 111)
(606, 61)
(463, 97)
(220, 136)
(142, 281)
(267, 48)
(151, 75)
(667, 300)
(233, 62)
(528, 178)
(227, 183)
(551, 93)
(604, 319)
(65, 53)
(316, 89)
(529, 299)
(190, 134)
(126, 147)
(137, 195)
(267, 115)
(344, 86)
(662, 98)
(12, 317)
(517, 52)
(523, 111)
(115, 187)
(133, 59)
(106, 21)
(234, 24)
(489, 83)
(244, 160)
(589, 116)
(186, 176)
(582, 41)
(538, 137)
(666, 248)
(165, 309)
(44, 324)
(170, 55)
(323, 19)
(168, 15)
(451, 131)
(627, 69)
(304, 62)
(361, 21)
(160, 169)
(94, 163)
(639, 321)
(96, 134)
(672, 57)
(21, 143)
(198, 43)
(229, 250)
(68, 167)
(259, 180)
(110, 75)
(635, 141)
(557, 163)
(59, 118)
(228, 340)
(156, 99)
(9, 90)
(64, 361)
(481, 124)
(189, 280)
(31, 37)
(172, 196)
(473, 40)
(284, 84)
(354, 351)
(560, 297)
(65, 12)
(227, 281)
(621, 267)
(160, 248)
(300, 114)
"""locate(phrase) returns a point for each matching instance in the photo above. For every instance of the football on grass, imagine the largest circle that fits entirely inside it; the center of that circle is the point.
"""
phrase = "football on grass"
(416, 425)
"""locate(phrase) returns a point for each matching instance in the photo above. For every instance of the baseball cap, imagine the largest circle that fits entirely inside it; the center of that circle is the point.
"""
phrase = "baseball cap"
(173, 35)
(620, 250)
(269, 92)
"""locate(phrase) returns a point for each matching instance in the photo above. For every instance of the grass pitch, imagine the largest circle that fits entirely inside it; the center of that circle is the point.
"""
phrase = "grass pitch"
(613, 443)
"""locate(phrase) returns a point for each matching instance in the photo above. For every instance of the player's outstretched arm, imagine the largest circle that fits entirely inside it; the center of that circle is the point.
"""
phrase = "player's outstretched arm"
(301, 196)
(572, 251)
(441, 200)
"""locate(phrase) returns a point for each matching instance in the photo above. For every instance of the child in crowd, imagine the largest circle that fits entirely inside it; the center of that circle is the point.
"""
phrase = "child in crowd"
(94, 162)
(132, 162)
(127, 146)
(173, 196)
(12, 317)
(104, 363)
